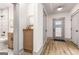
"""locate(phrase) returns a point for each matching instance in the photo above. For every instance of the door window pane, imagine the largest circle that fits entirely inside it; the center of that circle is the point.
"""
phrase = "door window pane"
(58, 32)
(58, 22)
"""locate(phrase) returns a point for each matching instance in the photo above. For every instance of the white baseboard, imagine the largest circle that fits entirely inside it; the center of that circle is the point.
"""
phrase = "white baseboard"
(20, 51)
(39, 52)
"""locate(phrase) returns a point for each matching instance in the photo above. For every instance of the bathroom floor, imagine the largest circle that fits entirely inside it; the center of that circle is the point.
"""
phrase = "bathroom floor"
(4, 46)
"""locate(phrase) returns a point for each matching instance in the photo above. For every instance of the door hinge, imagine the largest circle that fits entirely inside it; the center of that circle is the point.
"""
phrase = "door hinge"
(71, 19)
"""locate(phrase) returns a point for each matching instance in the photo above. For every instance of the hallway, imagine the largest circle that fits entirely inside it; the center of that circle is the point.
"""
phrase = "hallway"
(61, 48)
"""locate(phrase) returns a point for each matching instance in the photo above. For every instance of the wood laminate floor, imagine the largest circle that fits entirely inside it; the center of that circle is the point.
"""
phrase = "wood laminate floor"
(60, 48)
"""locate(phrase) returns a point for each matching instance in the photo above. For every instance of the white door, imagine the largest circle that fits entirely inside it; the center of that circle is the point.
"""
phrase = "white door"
(75, 28)
(44, 28)
(0, 27)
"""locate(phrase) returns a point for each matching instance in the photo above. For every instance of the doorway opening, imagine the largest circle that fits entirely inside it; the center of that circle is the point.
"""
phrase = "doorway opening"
(6, 28)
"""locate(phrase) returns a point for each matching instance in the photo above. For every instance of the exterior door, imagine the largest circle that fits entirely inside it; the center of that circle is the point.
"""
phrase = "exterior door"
(58, 28)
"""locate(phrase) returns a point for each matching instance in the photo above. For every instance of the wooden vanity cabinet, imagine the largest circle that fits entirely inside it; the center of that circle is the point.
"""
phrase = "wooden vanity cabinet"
(10, 40)
(28, 40)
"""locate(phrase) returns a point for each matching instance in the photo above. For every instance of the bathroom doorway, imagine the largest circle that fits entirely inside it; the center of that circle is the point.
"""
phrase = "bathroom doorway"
(6, 28)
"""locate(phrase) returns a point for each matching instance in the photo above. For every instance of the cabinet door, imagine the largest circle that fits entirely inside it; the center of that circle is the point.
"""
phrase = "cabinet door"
(28, 39)
(10, 40)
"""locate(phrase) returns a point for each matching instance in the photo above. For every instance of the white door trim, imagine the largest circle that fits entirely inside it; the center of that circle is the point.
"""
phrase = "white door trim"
(16, 29)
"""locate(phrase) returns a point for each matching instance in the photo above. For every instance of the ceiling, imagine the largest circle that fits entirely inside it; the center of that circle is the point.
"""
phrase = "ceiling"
(51, 8)
(4, 5)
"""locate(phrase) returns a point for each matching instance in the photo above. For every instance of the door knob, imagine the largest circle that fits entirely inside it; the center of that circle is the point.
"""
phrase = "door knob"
(76, 30)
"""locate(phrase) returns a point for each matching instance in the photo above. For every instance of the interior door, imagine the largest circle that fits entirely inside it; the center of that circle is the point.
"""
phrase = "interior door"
(0, 27)
(58, 28)
(44, 27)
(75, 28)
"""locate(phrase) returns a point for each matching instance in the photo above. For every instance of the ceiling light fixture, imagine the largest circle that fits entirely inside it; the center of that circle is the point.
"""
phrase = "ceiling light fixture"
(59, 8)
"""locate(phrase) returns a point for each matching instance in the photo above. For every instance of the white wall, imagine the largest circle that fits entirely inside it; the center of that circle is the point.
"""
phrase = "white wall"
(4, 22)
(38, 29)
(23, 22)
(67, 24)
(31, 13)
(11, 18)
